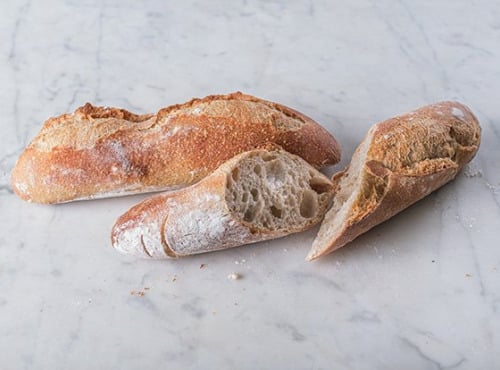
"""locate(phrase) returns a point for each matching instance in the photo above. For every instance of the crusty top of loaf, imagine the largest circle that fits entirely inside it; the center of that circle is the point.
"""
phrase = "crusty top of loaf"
(427, 141)
(101, 152)
(411, 144)
(93, 122)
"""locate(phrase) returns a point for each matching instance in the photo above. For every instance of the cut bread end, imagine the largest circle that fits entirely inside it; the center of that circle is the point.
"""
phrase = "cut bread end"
(273, 191)
(337, 219)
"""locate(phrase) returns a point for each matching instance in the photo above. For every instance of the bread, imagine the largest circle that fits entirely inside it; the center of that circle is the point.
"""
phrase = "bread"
(399, 162)
(101, 152)
(258, 195)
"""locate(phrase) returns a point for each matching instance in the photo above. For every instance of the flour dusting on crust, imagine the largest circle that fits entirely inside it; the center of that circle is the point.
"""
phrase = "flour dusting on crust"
(203, 227)
(458, 113)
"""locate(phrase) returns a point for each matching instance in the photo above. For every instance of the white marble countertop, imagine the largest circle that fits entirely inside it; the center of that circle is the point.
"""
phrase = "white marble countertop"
(421, 291)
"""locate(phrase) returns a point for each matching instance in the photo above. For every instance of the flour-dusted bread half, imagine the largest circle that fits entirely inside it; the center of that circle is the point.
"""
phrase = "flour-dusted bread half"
(399, 162)
(257, 195)
(99, 152)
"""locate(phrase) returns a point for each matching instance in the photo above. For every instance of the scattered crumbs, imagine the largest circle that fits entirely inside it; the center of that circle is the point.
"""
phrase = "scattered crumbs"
(433, 261)
(139, 293)
(202, 265)
(174, 278)
(146, 288)
(90, 300)
(235, 303)
(472, 170)
(234, 276)
(470, 221)
(240, 262)
(468, 275)
(493, 188)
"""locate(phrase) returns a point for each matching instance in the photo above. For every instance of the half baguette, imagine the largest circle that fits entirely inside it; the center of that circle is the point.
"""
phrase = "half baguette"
(257, 195)
(99, 152)
(400, 161)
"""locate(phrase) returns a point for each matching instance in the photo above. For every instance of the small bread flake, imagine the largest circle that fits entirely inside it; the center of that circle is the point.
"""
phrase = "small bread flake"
(234, 276)
(472, 170)
(202, 265)
(458, 113)
(139, 293)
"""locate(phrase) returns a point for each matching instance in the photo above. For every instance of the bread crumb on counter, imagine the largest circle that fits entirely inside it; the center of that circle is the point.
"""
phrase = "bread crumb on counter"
(140, 293)
(234, 276)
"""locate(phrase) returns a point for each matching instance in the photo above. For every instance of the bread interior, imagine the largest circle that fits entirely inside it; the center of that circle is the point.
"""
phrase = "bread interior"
(275, 191)
(348, 191)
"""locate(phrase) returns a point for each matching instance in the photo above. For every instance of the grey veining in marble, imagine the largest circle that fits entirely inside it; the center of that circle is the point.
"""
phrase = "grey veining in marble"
(421, 291)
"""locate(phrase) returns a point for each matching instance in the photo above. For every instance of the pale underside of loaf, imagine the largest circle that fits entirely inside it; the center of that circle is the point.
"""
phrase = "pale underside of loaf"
(258, 195)
(399, 162)
(98, 152)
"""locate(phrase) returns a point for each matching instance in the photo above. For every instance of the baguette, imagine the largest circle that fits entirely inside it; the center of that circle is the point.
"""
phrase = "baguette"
(101, 152)
(257, 195)
(399, 162)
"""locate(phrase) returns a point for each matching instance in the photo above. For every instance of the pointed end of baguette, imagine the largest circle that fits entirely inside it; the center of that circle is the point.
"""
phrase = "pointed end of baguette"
(138, 233)
(325, 242)
(335, 230)
(312, 255)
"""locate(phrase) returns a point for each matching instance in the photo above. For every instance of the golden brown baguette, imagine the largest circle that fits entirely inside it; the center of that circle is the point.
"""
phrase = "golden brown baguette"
(399, 162)
(101, 152)
(258, 195)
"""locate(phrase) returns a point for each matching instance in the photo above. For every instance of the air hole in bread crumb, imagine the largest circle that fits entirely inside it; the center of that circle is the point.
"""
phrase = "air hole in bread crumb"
(309, 204)
(249, 215)
(276, 212)
(268, 157)
(255, 194)
(276, 172)
(235, 174)
(319, 185)
(257, 169)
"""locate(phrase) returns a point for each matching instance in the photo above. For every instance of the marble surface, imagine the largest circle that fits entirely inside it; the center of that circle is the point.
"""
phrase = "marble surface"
(421, 291)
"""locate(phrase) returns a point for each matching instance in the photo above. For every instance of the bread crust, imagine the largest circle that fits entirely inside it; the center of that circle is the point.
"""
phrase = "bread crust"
(100, 152)
(196, 219)
(408, 157)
